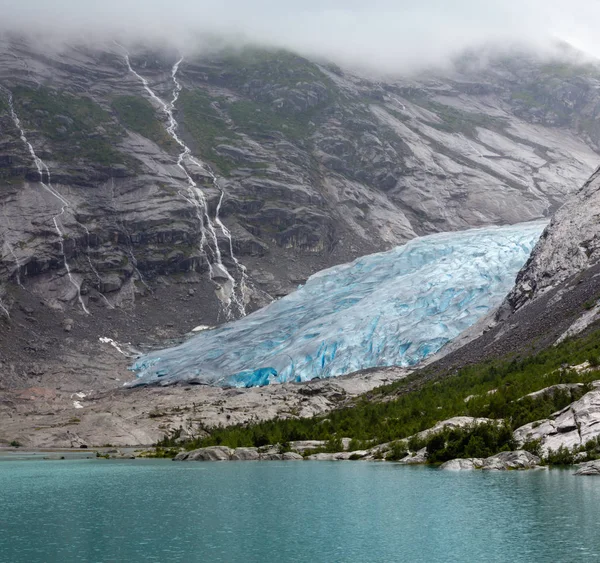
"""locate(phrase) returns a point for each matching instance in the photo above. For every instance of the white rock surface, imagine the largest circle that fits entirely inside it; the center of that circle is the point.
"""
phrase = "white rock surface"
(571, 427)
(223, 453)
(569, 245)
(455, 422)
(503, 461)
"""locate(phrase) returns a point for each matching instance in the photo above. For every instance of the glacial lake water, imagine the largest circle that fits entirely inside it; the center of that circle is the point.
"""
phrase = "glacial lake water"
(158, 510)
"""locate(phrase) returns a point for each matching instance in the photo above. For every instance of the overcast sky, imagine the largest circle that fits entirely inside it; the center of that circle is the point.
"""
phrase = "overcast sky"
(391, 35)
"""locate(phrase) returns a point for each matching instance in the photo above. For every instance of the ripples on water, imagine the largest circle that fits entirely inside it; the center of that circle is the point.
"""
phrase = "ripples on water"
(155, 510)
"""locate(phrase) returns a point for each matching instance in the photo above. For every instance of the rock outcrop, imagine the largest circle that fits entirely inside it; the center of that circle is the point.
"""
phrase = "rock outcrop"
(503, 461)
(223, 453)
(589, 468)
(572, 427)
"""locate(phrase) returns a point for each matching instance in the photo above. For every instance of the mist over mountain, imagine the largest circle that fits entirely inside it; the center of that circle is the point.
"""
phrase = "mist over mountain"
(384, 36)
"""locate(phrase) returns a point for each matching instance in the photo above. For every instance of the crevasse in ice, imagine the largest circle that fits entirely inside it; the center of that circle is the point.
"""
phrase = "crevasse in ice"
(391, 308)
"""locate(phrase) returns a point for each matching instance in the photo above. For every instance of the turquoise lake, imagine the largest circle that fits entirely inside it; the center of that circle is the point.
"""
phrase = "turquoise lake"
(158, 510)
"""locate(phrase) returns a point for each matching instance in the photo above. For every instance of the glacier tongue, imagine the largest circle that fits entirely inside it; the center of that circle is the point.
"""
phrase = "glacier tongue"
(392, 308)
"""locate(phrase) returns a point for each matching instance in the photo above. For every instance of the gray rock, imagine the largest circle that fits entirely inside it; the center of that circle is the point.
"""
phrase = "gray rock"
(502, 461)
(245, 454)
(589, 468)
(292, 456)
(456, 422)
(212, 453)
(462, 464)
(415, 458)
(572, 427)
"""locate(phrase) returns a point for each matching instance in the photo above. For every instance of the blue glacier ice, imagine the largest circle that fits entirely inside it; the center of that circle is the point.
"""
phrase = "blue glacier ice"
(391, 308)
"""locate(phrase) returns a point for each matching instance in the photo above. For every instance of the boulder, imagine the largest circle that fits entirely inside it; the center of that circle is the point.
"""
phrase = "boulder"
(462, 464)
(589, 468)
(503, 461)
(212, 453)
(245, 454)
(415, 458)
(223, 453)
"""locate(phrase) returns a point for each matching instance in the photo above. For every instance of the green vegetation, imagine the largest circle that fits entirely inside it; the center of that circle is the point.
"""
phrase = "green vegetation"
(563, 69)
(276, 66)
(77, 128)
(206, 127)
(251, 70)
(479, 440)
(15, 444)
(456, 121)
(260, 119)
(495, 389)
(137, 114)
(526, 97)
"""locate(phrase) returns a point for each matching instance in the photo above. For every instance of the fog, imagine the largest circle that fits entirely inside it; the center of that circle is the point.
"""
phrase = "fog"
(385, 35)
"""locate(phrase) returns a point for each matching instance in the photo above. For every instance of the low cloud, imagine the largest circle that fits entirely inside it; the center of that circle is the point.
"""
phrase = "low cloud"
(385, 35)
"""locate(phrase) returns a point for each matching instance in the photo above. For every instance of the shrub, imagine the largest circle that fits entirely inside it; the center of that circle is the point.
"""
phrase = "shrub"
(480, 440)
(533, 447)
(561, 456)
(398, 451)
(334, 444)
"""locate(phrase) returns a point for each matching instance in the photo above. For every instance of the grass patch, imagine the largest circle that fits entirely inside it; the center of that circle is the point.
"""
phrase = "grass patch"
(137, 114)
(77, 128)
(206, 127)
(260, 119)
(276, 66)
(456, 121)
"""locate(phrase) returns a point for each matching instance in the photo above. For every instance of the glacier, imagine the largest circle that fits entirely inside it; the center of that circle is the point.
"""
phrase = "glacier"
(391, 308)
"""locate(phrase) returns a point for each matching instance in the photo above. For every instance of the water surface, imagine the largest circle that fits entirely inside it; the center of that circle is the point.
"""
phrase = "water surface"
(159, 510)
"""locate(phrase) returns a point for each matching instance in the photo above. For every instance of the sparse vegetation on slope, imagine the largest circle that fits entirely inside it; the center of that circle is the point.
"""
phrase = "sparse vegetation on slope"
(137, 114)
(395, 412)
(77, 129)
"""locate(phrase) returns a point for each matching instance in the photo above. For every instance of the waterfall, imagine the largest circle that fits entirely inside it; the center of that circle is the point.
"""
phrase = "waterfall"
(46, 183)
(227, 288)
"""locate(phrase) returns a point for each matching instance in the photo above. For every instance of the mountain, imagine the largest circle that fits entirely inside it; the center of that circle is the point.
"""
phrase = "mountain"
(312, 165)
(527, 379)
(143, 194)
(556, 294)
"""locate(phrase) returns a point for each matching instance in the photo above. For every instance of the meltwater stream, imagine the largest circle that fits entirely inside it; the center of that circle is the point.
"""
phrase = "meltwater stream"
(392, 308)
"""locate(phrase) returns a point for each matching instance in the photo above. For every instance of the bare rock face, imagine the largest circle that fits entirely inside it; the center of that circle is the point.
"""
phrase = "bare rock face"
(313, 166)
(589, 468)
(569, 245)
(223, 453)
(503, 461)
(455, 422)
(572, 427)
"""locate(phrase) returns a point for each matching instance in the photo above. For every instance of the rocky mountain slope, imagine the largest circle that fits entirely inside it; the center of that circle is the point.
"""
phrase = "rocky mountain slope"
(312, 165)
(143, 194)
(556, 294)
